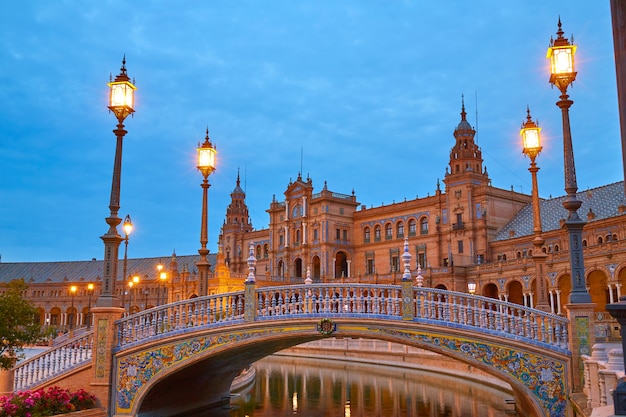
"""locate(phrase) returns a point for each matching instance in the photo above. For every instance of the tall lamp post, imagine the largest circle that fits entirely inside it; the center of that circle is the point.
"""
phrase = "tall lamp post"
(206, 165)
(531, 146)
(562, 74)
(128, 227)
(90, 288)
(121, 102)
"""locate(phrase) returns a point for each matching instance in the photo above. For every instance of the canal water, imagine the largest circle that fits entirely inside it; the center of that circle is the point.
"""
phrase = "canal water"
(292, 386)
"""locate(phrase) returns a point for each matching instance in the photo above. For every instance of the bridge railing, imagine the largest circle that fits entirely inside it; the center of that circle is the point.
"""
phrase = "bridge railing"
(192, 313)
(426, 305)
(71, 354)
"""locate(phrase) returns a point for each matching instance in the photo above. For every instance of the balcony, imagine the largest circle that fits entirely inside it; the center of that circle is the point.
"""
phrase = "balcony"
(458, 226)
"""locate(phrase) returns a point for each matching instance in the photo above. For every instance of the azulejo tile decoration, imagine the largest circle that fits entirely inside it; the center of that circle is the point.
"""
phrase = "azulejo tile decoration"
(542, 376)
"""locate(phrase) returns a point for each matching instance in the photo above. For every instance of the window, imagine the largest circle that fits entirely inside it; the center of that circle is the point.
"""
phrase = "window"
(281, 240)
(412, 227)
(366, 235)
(460, 244)
(395, 266)
(400, 230)
(345, 235)
(369, 266)
(266, 250)
(388, 231)
(377, 233)
(297, 211)
(424, 226)
(315, 234)
(338, 234)
(258, 252)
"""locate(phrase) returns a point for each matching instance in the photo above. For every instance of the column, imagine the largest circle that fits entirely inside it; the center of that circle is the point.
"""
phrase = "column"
(558, 302)
(349, 268)
(610, 293)
(619, 290)
(304, 233)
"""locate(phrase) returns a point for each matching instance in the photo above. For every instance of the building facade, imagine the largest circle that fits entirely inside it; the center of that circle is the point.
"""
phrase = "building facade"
(468, 231)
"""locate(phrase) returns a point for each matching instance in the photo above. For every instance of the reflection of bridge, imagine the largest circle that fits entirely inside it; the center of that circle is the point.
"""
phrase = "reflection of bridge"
(185, 355)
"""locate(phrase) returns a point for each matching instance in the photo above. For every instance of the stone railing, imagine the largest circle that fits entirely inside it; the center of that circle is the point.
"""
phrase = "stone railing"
(64, 357)
(602, 371)
(176, 317)
(425, 305)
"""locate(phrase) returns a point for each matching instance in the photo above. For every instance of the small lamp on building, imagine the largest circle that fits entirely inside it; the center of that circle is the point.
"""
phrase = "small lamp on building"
(471, 287)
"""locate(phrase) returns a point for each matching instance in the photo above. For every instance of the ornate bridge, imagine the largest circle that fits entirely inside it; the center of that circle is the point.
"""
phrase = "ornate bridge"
(196, 347)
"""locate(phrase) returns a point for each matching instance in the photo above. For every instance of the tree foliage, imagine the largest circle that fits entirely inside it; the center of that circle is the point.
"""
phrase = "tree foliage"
(18, 326)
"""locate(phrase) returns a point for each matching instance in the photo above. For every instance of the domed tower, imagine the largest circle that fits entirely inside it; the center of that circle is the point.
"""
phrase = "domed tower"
(467, 197)
(465, 155)
(236, 224)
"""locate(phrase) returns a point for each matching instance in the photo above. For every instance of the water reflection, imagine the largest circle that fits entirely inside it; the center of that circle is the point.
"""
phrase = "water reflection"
(288, 386)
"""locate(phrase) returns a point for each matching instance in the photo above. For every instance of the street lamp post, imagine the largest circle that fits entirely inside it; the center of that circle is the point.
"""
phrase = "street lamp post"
(73, 290)
(162, 281)
(206, 165)
(562, 74)
(90, 291)
(128, 227)
(531, 146)
(135, 283)
(121, 102)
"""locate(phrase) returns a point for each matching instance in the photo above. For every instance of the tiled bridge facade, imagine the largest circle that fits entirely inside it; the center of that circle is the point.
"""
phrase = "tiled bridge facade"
(185, 355)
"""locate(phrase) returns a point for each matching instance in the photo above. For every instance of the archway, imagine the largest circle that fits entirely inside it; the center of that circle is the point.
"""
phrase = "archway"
(516, 293)
(565, 286)
(317, 271)
(341, 265)
(297, 267)
(281, 269)
(598, 289)
(490, 290)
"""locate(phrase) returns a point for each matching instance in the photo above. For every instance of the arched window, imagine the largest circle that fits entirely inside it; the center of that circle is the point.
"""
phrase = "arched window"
(424, 226)
(266, 250)
(412, 227)
(366, 235)
(400, 230)
(599, 240)
(377, 233)
(388, 231)
(258, 252)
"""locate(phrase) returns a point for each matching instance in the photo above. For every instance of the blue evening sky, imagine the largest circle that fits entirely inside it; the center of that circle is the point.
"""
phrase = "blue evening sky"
(364, 95)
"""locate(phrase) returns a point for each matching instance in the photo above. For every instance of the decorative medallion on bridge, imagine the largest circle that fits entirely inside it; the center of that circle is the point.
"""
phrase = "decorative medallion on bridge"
(326, 326)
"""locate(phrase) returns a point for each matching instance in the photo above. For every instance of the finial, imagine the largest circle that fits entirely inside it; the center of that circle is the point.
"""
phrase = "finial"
(560, 32)
(406, 258)
(463, 114)
(238, 182)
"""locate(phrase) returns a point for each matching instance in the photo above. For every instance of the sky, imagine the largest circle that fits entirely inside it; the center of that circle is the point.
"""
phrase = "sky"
(361, 95)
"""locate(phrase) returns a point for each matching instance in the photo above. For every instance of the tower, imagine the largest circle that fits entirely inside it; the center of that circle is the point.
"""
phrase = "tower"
(236, 224)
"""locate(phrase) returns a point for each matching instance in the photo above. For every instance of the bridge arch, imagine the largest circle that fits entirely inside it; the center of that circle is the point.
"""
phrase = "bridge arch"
(203, 364)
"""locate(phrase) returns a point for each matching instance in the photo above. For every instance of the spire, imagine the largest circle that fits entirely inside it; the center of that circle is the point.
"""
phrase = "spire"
(463, 114)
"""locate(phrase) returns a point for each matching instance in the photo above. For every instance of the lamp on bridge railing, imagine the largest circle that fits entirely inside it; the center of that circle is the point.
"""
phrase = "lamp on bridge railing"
(73, 290)
(471, 287)
(90, 288)
(162, 280)
(531, 146)
(128, 227)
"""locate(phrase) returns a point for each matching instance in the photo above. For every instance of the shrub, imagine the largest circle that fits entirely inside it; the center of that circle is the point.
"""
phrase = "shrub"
(43, 403)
